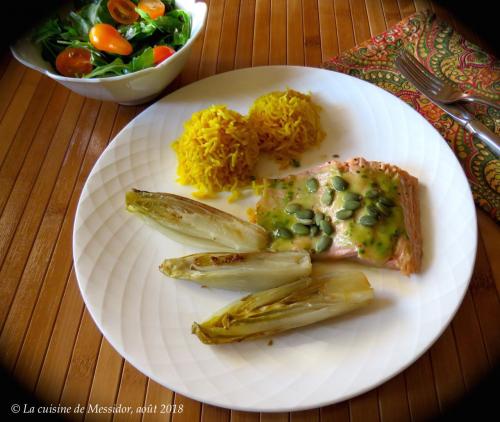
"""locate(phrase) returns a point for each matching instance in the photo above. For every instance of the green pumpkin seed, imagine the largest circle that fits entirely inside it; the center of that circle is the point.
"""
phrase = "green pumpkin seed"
(352, 205)
(339, 183)
(388, 202)
(327, 197)
(292, 208)
(326, 227)
(283, 233)
(318, 216)
(382, 209)
(343, 214)
(306, 221)
(372, 193)
(312, 185)
(305, 214)
(300, 229)
(313, 230)
(352, 196)
(372, 210)
(368, 220)
(323, 243)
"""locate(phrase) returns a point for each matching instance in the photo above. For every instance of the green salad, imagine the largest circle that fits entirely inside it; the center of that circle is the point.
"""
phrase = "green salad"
(101, 38)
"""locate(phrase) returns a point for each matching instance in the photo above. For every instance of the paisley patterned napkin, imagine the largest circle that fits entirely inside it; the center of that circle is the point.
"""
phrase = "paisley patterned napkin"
(449, 56)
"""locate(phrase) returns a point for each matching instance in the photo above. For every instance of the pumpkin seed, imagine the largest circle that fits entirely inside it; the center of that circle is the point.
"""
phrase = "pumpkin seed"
(306, 221)
(312, 185)
(326, 227)
(372, 193)
(382, 209)
(313, 230)
(339, 183)
(283, 233)
(352, 196)
(372, 210)
(323, 243)
(327, 197)
(318, 216)
(343, 214)
(292, 208)
(300, 229)
(388, 202)
(368, 220)
(352, 205)
(305, 214)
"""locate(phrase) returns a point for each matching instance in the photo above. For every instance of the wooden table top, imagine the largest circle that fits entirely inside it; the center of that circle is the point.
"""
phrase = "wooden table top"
(49, 140)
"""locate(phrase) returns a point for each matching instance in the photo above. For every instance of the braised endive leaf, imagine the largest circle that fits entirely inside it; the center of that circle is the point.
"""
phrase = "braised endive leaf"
(251, 271)
(291, 305)
(196, 224)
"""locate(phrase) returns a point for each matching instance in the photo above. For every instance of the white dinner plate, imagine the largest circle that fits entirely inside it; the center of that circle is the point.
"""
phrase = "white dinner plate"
(147, 317)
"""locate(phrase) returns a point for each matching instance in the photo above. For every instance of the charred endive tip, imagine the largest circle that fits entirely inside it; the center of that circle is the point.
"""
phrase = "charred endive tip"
(250, 271)
(194, 223)
(289, 306)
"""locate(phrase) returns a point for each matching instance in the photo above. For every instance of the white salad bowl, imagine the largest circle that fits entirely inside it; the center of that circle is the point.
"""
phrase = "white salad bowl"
(133, 88)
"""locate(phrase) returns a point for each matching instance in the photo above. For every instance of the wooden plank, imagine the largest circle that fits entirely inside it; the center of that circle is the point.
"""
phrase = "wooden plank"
(16, 111)
(44, 155)
(422, 396)
(391, 12)
(229, 31)
(421, 5)
(23, 139)
(53, 278)
(58, 205)
(360, 21)
(187, 410)
(335, 413)
(447, 372)
(106, 379)
(132, 393)
(277, 42)
(365, 407)
(208, 61)
(376, 17)
(406, 7)
(471, 349)
(274, 417)
(214, 413)
(261, 33)
(294, 33)
(81, 368)
(244, 42)
(312, 37)
(393, 400)
(158, 403)
(327, 29)
(345, 30)
(490, 233)
(237, 416)
(310, 415)
(9, 83)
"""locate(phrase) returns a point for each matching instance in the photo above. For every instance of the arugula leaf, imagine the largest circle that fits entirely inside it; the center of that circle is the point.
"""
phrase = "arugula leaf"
(115, 68)
(142, 61)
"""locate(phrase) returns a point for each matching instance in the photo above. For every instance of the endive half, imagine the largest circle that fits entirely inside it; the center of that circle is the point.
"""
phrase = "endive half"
(194, 223)
(292, 305)
(251, 271)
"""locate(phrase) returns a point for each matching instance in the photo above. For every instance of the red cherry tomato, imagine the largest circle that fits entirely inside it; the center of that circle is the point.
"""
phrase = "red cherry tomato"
(123, 11)
(74, 62)
(154, 8)
(162, 52)
(106, 38)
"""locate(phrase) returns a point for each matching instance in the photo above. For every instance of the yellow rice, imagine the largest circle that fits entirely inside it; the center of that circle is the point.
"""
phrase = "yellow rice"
(287, 123)
(216, 152)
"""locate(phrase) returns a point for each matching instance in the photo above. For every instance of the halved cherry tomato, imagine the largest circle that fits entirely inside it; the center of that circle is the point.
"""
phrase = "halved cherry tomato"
(123, 11)
(106, 38)
(73, 62)
(162, 52)
(154, 8)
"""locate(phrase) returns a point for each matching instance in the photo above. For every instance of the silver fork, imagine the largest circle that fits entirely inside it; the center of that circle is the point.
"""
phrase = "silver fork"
(441, 90)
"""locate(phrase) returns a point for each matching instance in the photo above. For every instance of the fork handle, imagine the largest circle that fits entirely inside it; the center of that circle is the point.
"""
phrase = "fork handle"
(491, 139)
(485, 101)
